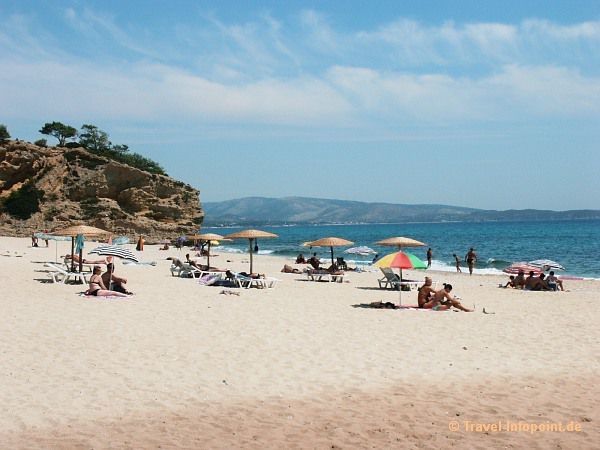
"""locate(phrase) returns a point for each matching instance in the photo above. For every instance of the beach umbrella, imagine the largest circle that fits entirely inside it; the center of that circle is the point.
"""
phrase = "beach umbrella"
(363, 250)
(209, 238)
(83, 230)
(546, 264)
(517, 267)
(120, 240)
(400, 260)
(116, 251)
(400, 242)
(50, 237)
(251, 235)
(331, 242)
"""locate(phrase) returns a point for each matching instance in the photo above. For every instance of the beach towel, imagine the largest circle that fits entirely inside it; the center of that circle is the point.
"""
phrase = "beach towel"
(208, 280)
(101, 297)
(389, 305)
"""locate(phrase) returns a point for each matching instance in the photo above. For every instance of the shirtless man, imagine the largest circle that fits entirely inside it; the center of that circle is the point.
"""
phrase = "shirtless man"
(471, 258)
(443, 300)
(533, 283)
(114, 282)
(425, 293)
(519, 281)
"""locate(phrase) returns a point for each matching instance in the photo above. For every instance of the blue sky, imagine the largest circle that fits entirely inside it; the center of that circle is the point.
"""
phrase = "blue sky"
(492, 105)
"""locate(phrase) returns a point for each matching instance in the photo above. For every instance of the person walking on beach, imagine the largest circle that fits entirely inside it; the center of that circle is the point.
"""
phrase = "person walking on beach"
(457, 261)
(471, 258)
(429, 257)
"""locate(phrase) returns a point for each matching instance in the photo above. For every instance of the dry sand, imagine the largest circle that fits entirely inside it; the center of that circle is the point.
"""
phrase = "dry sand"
(180, 365)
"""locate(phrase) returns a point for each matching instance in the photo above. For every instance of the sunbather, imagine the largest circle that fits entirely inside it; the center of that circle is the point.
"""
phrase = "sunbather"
(75, 258)
(289, 269)
(442, 300)
(175, 261)
(114, 282)
(553, 282)
(425, 292)
(98, 288)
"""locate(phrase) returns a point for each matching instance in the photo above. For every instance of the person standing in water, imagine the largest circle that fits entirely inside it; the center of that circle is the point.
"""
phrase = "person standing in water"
(471, 258)
(457, 262)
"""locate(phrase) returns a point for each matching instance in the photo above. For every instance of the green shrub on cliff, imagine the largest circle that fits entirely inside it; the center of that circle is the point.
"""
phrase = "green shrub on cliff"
(24, 202)
(4, 134)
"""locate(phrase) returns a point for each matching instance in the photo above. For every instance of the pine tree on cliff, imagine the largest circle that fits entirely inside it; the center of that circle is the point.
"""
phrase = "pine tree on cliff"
(60, 131)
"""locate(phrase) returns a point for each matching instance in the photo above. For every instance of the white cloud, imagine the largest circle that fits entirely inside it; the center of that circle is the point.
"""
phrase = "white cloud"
(260, 72)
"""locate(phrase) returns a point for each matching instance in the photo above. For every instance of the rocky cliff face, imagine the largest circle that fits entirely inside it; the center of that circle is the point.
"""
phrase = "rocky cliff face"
(81, 187)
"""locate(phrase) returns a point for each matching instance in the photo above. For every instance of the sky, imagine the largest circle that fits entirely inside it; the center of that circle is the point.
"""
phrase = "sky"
(491, 105)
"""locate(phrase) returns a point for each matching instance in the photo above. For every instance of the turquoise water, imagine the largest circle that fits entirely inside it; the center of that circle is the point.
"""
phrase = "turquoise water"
(574, 244)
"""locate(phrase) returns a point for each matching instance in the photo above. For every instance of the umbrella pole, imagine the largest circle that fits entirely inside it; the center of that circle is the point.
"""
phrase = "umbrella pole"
(250, 239)
(208, 256)
(400, 288)
(331, 254)
(72, 254)
(81, 260)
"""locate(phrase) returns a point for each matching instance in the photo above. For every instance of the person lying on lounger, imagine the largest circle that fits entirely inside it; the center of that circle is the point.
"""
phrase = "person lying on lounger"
(75, 258)
(98, 288)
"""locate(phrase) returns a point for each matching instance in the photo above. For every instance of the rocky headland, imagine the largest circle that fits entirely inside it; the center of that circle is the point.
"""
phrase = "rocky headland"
(49, 188)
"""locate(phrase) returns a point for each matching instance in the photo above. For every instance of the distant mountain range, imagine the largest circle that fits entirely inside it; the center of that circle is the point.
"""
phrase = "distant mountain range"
(256, 211)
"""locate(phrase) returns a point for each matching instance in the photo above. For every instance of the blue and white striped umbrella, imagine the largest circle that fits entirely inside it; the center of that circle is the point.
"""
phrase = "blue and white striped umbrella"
(118, 252)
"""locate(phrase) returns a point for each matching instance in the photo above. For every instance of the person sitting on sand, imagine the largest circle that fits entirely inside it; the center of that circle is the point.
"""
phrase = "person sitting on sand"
(425, 292)
(289, 269)
(164, 247)
(533, 283)
(553, 282)
(98, 288)
(510, 282)
(114, 282)
(442, 300)
(519, 280)
(300, 259)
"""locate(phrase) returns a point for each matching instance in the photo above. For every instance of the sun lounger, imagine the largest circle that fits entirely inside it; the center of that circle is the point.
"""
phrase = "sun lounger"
(260, 283)
(185, 271)
(325, 276)
(392, 280)
(57, 272)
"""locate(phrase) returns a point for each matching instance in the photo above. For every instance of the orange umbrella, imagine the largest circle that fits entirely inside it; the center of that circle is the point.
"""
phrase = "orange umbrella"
(75, 230)
(330, 242)
(251, 235)
(208, 237)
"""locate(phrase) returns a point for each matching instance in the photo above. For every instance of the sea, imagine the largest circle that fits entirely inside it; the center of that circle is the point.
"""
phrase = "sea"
(573, 244)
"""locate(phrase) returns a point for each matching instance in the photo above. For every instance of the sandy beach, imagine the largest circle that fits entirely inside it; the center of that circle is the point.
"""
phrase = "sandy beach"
(300, 365)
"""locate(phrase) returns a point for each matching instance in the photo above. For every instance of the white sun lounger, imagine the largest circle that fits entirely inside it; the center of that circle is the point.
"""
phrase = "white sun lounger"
(57, 272)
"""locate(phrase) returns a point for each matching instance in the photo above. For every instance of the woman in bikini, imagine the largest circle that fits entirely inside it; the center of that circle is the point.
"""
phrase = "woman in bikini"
(98, 288)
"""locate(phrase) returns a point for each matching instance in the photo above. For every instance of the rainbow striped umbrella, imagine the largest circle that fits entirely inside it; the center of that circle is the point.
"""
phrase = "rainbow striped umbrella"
(400, 260)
